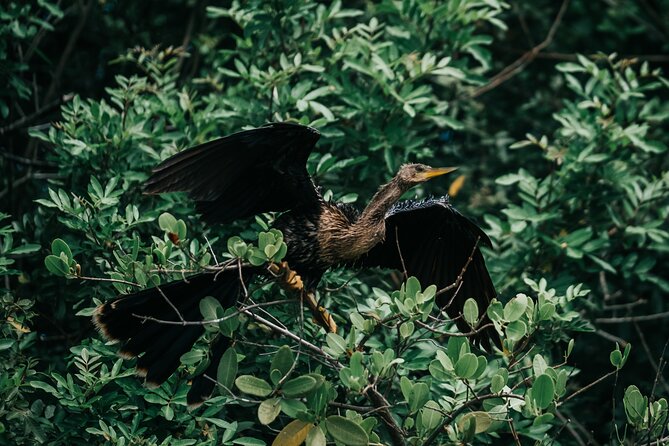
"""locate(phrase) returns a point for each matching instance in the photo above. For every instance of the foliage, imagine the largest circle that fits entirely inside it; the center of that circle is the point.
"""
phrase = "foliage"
(577, 210)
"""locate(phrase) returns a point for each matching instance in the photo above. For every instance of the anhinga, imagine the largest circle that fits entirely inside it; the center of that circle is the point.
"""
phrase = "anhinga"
(263, 170)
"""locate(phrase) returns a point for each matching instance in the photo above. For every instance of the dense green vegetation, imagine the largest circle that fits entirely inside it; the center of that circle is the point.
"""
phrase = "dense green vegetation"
(556, 112)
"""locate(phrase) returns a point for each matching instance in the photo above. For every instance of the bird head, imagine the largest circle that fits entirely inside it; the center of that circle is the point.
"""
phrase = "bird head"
(419, 173)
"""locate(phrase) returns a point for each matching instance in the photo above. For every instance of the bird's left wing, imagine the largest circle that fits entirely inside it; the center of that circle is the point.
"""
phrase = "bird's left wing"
(243, 174)
(434, 242)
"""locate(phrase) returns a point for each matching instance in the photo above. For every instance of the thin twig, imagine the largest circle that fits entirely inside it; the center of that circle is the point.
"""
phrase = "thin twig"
(69, 48)
(212, 321)
(381, 403)
(519, 64)
(333, 361)
(399, 251)
(213, 254)
(594, 383)
(458, 280)
(626, 306)
(29, 118)
(659, 368)
(360, 409)
(611, 337)
(104, 279)
(625, 319)
(454, 335)
(574, 420)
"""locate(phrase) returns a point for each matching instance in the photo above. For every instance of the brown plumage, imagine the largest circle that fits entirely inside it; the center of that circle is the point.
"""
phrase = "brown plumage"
(263, 170)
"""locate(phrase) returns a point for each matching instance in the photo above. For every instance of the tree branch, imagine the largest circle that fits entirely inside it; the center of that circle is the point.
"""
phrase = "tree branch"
(519, 64)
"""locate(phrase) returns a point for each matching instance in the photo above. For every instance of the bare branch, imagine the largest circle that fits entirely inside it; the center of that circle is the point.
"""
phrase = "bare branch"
(592, 384)
(333, 361)
(381, 403)
(519, 64)
(625, 319)
(399, 251)
(212, 321)
(611, 337)
(458, 280)
(454, 335)
(105, 279)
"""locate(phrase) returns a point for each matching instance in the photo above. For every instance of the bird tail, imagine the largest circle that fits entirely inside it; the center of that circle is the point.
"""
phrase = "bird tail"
(134, 320)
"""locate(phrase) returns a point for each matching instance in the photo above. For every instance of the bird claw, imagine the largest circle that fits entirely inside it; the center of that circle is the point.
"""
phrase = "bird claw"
(321, 315)
(291, 281)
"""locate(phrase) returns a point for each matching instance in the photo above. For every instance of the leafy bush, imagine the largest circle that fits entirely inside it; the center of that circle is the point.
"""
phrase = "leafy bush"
(580, 234)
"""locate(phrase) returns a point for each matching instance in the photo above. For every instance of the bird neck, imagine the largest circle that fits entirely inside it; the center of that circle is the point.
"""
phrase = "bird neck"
(382, 201)
(344, 240)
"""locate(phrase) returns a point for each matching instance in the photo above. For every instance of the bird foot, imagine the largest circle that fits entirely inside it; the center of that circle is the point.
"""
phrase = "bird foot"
(321, 315)
(291, 281)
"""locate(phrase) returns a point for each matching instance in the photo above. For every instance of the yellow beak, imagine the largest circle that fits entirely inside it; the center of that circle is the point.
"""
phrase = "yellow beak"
(437, 171)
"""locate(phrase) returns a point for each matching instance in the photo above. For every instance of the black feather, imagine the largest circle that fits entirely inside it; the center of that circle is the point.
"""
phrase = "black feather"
(203, 385)
(160, 345)
(435, 241)
(243, 174)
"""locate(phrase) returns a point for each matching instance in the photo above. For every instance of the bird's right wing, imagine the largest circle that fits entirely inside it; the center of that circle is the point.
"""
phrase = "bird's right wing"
(243, 174)
(434, 242)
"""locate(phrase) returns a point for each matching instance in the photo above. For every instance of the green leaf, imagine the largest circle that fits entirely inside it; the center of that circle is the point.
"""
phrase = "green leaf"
(635, 405)
(546, 311)
(431, 415)
(480, 419)
(346, 431)
(495, 311)
(466, 365)
(282, 361)
(237, 247)
(316, 437)
(167, 222)
(405, 386)
(497, 383)
(292, 408)
(268, 410)
(192, 357)
(56, 266)
(516, 330)
(210, 308)
(419, 395)
(293, 434)
(543, 390)
(299, 386)
(180, 229)
(539, 365)
(227, 371)
(253, 386)
(247, 441)
(27, 249)
(336, 343)
(406, 329)
(470, 312)
(412, 287)
(515, 308)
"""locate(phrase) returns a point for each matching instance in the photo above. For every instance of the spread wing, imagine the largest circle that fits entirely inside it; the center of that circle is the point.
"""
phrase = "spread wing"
(433, 242)
(243, 174)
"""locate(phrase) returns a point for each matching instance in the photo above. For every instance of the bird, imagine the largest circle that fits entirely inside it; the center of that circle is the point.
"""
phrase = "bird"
(264, 170)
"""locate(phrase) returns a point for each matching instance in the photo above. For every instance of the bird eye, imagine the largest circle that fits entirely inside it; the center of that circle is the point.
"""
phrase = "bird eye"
(420, 169)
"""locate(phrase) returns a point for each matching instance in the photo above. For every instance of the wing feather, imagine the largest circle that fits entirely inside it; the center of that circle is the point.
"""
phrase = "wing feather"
(435, 242)
(243, 174)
